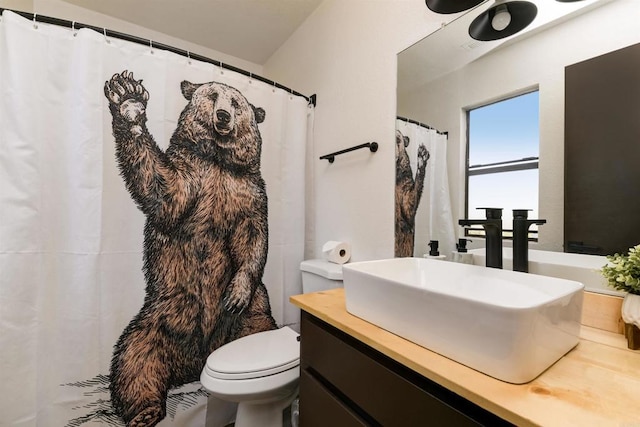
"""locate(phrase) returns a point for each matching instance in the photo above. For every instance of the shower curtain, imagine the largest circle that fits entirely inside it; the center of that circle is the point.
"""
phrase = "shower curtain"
(71, 234)
(433, 216)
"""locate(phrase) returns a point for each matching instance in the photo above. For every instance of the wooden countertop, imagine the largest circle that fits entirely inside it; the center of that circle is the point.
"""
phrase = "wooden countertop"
(595, 384)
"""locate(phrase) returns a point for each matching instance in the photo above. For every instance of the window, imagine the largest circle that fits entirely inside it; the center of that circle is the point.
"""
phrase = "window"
(502, 160)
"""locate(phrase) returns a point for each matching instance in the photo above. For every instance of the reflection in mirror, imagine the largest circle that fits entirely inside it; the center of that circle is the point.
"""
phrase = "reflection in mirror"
(602, 131)
(503, 153)
(423, 206)
(448, 73)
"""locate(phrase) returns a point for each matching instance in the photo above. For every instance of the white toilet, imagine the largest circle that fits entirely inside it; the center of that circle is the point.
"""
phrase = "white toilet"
(260, 372)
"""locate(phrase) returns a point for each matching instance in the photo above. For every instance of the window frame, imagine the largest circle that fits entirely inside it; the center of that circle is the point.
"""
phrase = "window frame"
(526, 163)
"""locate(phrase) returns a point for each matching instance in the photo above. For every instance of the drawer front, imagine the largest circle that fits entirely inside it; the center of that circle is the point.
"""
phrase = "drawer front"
(320, 408)
(391, 395)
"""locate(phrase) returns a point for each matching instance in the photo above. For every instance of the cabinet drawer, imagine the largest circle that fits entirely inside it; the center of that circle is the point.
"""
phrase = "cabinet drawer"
(320, 408)
(387, 391)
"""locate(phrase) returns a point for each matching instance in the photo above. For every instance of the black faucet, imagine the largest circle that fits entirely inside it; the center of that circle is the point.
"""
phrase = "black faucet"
(521, 238)
(493, 233)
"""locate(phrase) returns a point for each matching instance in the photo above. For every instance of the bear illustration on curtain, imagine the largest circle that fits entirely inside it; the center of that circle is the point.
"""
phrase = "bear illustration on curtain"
(205, 239)
(408, 194)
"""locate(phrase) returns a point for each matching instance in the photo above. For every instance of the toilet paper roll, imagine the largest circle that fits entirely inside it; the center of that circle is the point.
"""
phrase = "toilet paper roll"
(336, 252)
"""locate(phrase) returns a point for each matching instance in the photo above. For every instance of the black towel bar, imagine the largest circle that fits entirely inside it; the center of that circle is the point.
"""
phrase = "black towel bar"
(373, 146)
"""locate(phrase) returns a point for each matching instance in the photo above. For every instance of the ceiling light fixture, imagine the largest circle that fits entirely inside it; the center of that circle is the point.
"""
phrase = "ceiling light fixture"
(503, 20)
(451, 6)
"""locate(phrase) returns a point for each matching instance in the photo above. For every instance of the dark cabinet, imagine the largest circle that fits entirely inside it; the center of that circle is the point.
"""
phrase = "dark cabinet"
(602, 151)
(344, 382)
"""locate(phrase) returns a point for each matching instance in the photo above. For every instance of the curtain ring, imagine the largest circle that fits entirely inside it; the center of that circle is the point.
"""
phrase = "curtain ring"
(250, 77)
(73, 28)
(35, 23)
(188, 57)
(104, 31)
(221, 69)
(151, 46)
(274, 87)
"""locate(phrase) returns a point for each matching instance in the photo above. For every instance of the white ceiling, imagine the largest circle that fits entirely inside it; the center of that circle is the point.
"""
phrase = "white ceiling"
(248, 29)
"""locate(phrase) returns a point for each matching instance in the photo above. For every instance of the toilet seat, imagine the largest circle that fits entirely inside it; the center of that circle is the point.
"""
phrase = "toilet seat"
(253, 356)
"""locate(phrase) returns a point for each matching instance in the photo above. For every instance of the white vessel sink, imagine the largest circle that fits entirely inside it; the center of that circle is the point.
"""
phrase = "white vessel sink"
(506, 324)
(579, 267)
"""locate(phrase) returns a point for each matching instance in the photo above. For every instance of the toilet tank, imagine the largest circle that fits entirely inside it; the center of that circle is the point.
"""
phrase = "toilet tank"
(320, 275)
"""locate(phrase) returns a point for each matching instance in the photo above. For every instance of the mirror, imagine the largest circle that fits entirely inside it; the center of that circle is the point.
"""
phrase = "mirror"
(447, 73)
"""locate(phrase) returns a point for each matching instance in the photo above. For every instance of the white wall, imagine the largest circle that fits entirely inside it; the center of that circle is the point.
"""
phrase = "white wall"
(539, 61)
(346, 53)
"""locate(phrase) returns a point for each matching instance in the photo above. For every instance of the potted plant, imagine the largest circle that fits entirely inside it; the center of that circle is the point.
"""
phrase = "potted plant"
(623, 274)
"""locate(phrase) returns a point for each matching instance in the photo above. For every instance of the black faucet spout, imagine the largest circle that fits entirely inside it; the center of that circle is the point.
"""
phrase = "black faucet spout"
(493, 234)
(521, 238)
(472, 222)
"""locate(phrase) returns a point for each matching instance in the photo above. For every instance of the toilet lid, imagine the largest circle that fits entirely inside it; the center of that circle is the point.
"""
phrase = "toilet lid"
(323, 268)
(256, 355)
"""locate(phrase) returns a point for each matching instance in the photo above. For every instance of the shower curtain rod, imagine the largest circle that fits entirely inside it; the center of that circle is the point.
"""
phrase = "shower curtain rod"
(404, 119)
(147, 42)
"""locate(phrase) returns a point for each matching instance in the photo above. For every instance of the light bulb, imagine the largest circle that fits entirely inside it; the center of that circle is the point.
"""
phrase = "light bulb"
(502, 18)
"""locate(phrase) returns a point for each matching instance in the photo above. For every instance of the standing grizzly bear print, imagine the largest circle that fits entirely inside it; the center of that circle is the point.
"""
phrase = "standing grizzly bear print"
(205, 239)
(408, 194)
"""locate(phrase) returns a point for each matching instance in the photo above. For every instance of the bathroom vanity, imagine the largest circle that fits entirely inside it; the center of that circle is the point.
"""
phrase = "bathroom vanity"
(344, 382)
(354, 373)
